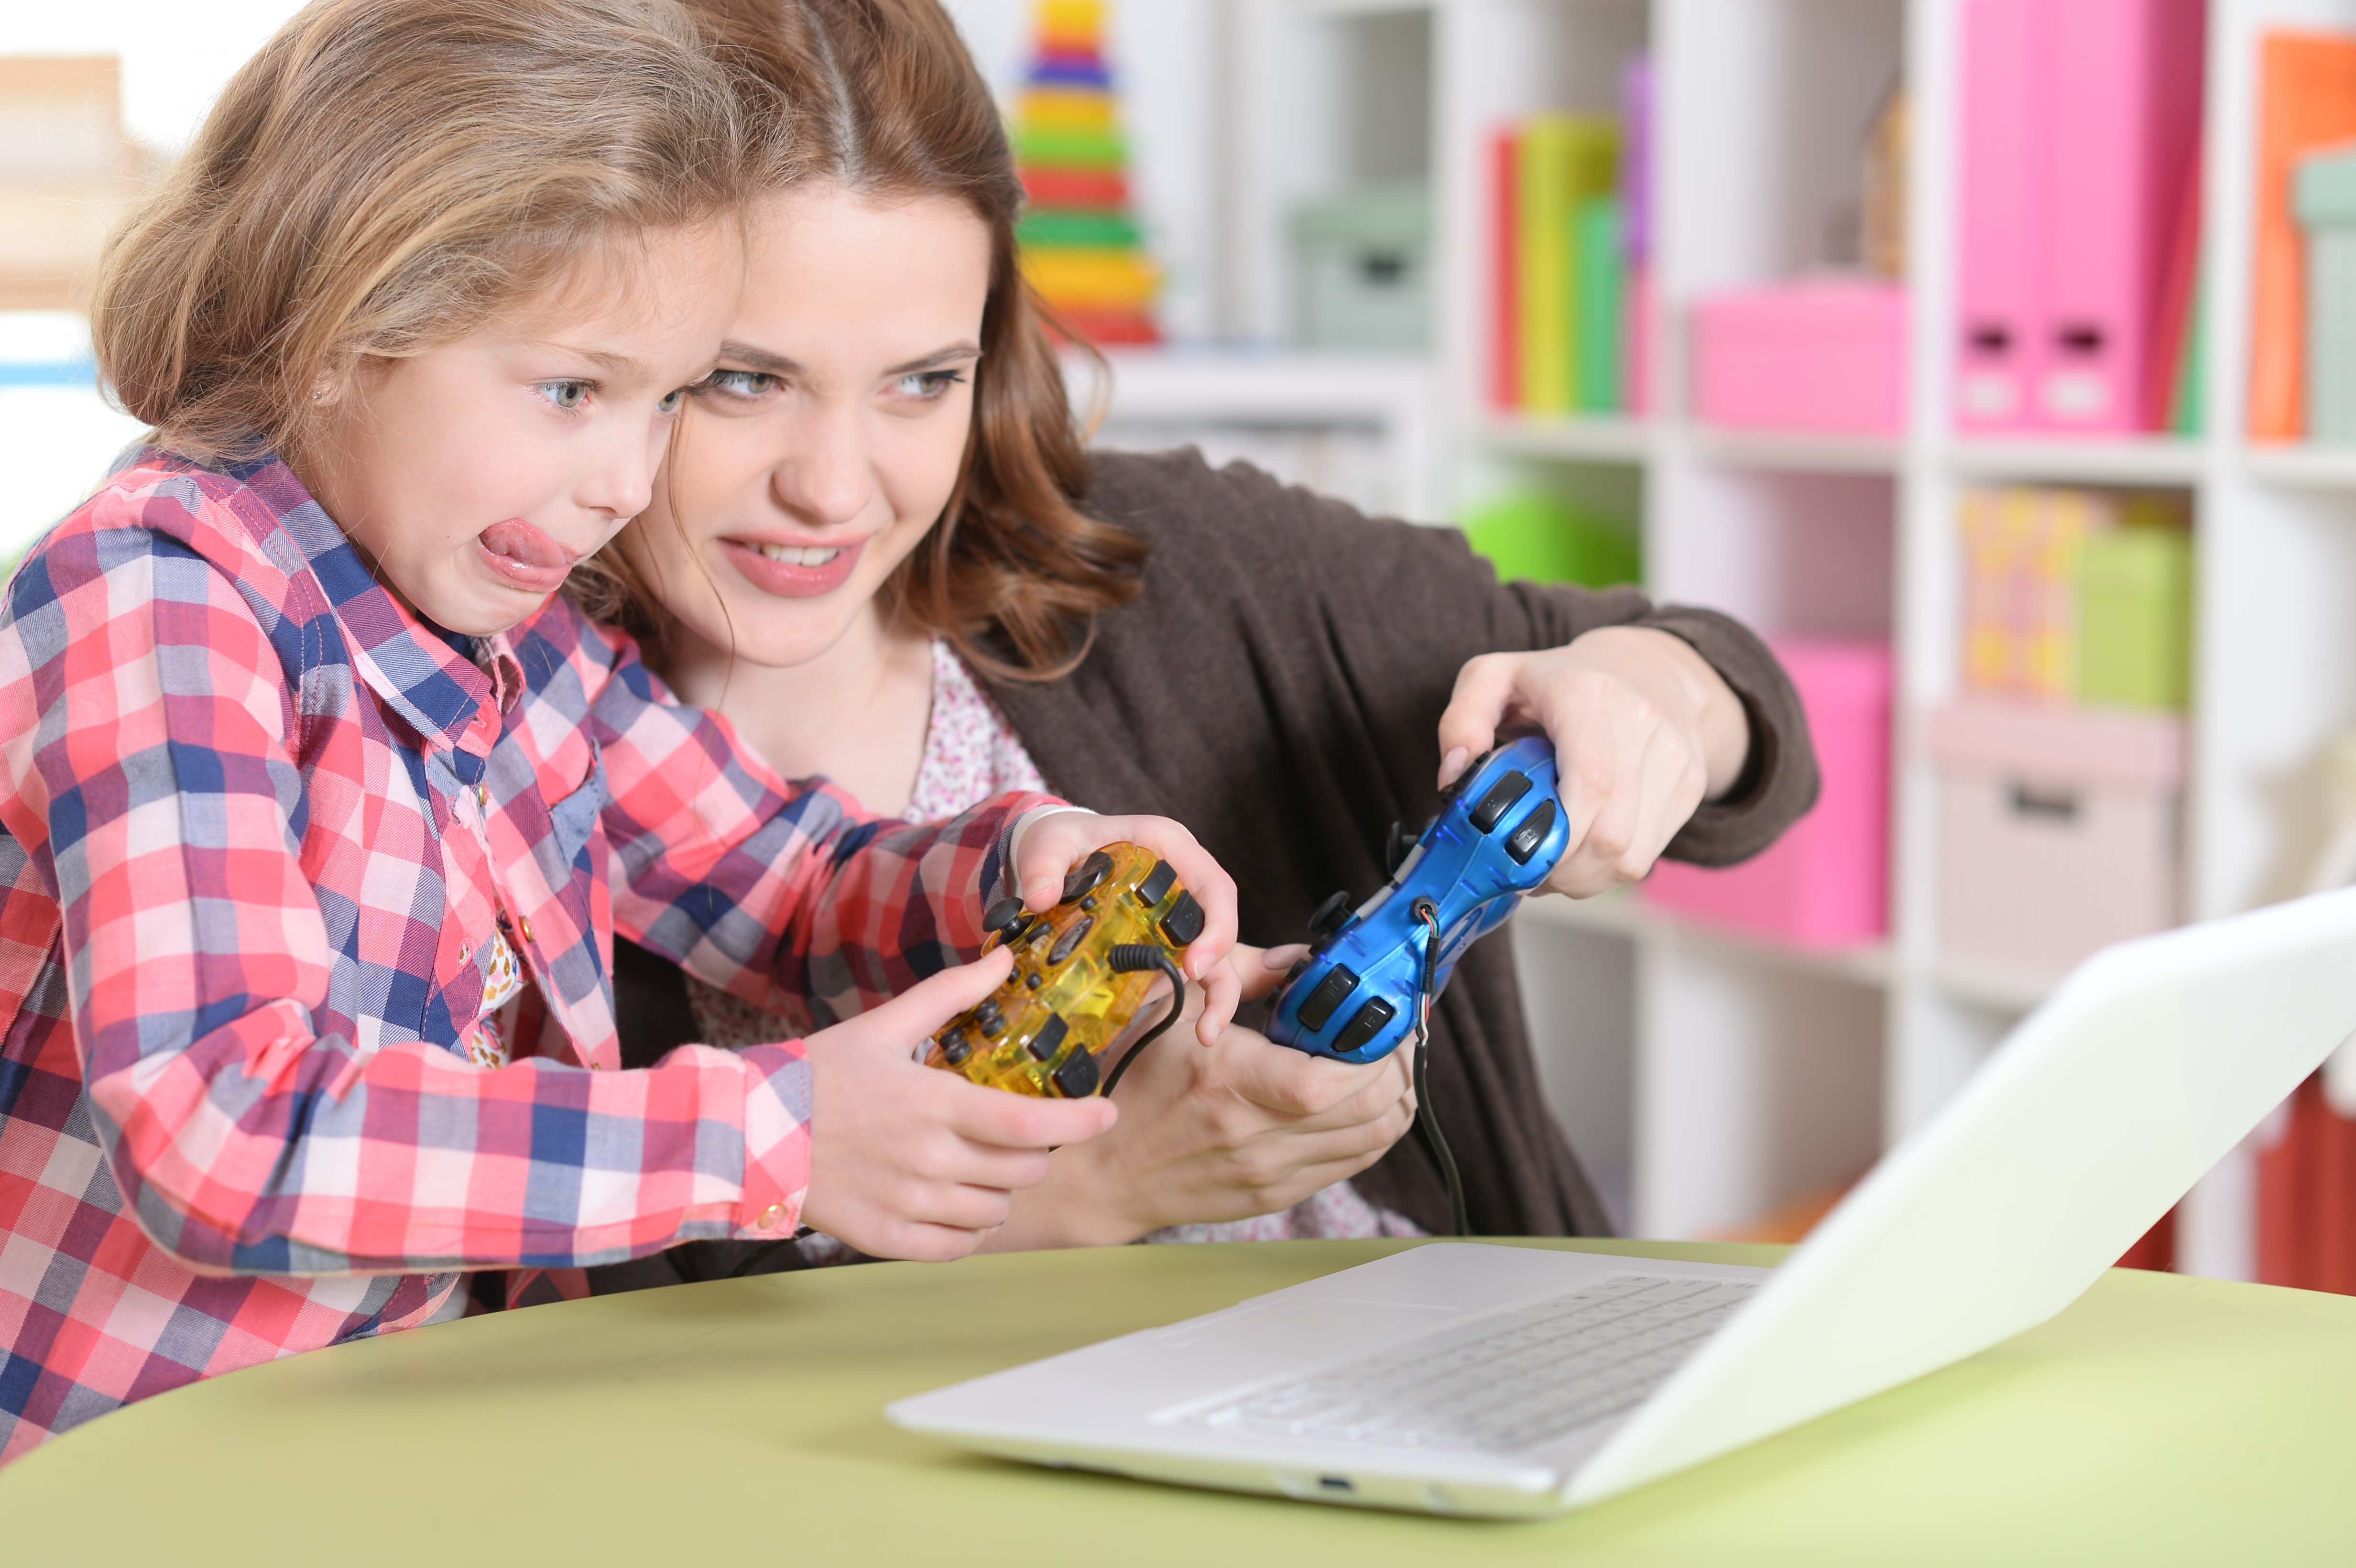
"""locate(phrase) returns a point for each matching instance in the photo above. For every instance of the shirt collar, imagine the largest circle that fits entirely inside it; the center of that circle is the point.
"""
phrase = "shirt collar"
(444, 696)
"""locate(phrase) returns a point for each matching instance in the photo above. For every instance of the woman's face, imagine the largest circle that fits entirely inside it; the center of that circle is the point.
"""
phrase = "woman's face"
(829, 439)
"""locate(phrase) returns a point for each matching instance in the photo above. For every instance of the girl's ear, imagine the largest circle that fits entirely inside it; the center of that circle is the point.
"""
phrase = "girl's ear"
(334, 383)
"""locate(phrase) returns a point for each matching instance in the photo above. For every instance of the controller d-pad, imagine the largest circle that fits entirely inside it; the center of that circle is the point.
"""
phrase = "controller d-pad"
(1524, 841)
(1364, 1026)
(1331, 993)
(1157, 882)
(1073, 935)
(1087, 875)
(1499, 801)
(1078, 1078)
(1050, 1036)
(1184, 920)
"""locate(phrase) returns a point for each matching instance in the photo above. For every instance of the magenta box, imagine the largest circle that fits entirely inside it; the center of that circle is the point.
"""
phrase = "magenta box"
(1826, 883)
(1823, 353)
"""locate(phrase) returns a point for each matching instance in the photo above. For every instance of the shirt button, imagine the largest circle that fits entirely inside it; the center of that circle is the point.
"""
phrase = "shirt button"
(773, 1218)
(483, 798)
(524, 925)
(464, 953)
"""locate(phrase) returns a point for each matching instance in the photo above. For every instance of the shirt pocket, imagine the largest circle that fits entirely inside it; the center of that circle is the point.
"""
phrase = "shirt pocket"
(571, 820)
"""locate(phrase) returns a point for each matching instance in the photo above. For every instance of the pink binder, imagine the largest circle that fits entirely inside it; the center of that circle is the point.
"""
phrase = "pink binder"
(1998, 337)
(2123, 79)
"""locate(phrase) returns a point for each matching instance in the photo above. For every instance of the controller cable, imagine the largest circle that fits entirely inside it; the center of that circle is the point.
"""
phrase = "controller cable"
(1131, 958)
(1427, 912)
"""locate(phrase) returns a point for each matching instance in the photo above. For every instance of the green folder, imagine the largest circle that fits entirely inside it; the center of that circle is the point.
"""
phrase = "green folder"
(1597, 307)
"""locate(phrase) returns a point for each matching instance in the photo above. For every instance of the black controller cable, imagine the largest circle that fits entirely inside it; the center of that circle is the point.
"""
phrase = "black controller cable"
(1129, 959)
(1427, 911)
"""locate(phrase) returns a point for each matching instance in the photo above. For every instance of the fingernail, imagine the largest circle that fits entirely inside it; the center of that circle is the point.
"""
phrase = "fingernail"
(1452, 764)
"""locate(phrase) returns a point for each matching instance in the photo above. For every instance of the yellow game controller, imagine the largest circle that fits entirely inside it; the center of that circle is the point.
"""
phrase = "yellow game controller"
(1081, 971)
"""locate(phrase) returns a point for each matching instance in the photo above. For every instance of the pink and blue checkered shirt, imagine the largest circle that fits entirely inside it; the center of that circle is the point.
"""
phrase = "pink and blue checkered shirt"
(257, 825)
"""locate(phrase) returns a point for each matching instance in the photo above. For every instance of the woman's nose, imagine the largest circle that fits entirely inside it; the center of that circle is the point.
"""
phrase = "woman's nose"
(829, 478)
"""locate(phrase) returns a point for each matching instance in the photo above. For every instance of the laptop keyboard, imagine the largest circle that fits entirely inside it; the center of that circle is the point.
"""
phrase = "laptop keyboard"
(1513, 1382)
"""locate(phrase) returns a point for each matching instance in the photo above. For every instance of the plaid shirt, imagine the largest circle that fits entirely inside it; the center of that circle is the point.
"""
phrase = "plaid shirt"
(259, 825)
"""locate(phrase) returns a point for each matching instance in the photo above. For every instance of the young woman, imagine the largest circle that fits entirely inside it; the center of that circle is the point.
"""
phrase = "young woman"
(881, 549)
(318, 810)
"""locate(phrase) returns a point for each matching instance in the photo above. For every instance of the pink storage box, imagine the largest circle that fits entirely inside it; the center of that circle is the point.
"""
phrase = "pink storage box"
(2058, 829)
(1826, 883)
(1825, 354)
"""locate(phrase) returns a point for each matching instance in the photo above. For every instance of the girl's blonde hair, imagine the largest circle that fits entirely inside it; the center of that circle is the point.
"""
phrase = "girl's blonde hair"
(386, 174)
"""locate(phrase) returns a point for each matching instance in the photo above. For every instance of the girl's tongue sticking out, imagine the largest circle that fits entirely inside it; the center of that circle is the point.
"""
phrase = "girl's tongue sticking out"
(526, 556)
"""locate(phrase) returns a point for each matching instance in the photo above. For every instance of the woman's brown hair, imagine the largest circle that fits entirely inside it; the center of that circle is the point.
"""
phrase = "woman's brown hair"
(888, 105)
(386, 174)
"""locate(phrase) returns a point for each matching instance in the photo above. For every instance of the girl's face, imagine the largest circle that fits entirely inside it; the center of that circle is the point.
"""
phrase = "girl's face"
(474, 476)
(827, 439)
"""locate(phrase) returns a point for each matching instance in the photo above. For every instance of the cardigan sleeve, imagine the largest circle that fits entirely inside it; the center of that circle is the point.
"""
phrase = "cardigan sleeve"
(1397, 608)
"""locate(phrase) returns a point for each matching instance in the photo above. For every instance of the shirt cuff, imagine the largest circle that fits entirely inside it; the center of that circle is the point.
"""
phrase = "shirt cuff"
(777, 1140)
(1022, 825)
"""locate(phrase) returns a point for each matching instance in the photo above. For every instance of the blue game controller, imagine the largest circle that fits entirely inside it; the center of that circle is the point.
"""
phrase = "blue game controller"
(1498, 834)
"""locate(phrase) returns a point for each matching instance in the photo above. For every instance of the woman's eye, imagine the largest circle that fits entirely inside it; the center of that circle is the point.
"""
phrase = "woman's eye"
(672, 400)
(929, 383)
(742, 383)
(565, 394)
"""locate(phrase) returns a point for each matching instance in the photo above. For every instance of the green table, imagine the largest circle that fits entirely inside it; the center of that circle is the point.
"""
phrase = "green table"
(2160, 1420)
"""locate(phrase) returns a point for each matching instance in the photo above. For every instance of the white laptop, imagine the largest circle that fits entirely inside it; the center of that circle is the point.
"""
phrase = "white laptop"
(1468, 1379)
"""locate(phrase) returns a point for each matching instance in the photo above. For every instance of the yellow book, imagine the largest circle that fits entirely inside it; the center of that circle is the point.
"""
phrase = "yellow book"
(1070, 23)
(1065, 109)
(1091, 278)
(1564, 160)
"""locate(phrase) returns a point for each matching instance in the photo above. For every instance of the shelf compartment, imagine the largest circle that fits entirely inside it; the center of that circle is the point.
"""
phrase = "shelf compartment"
(2146, 460)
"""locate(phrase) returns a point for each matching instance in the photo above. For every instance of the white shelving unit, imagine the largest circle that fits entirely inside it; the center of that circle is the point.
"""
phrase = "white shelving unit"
(1708, 1079)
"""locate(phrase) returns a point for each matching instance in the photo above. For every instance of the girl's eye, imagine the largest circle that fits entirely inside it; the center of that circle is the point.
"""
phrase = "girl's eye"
(565, 394)
(742, 383)
(672, 400)
(929, 384)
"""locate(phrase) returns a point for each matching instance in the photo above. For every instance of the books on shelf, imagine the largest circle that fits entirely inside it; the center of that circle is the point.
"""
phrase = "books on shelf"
(1081, 249)
(2080, 147)
(2077, 596)
(2307, 101)
(1569, 224)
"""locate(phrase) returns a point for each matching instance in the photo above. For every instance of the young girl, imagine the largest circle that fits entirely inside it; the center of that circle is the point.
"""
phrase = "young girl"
(320, 814)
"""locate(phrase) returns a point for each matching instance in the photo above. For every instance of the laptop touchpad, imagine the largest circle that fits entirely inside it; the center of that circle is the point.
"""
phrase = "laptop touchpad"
(1260, 1341)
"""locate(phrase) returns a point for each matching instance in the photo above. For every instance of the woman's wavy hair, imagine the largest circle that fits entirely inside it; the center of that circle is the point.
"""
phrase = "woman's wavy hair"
(385, 175)
(887, 103)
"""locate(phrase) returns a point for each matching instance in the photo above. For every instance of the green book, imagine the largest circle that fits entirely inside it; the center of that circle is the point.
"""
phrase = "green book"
(1564, 159)
(1598, 280)
(2188, 387)
(2135, 617)
(1532, 536)
(1050, 147)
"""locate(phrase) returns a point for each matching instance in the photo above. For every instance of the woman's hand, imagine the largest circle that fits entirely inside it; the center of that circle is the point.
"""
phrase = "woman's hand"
(1243, 1127)
(1643, 731)
(1048, 844)
(907, 1161)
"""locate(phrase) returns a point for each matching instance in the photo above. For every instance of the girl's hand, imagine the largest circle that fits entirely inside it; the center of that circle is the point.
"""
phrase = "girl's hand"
(1245, 1127)
(1643, 731)
(907, 1161)
(1049, 843)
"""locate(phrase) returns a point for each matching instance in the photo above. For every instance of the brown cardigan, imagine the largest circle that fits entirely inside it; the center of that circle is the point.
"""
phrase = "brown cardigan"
(1277, 687)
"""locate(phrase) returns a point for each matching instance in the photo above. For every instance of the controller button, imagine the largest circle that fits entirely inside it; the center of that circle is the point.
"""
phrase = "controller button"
(1088, 902)
(1499, 801)
(1363, 1027)
(987, 1014)
(1073, 935)
(1034, 979)
(956, 1048)
(1050, 1036)
(1078, 1077)
(1331, 993)
(1524, 841)
(1157, 882)
(1087, 875)
(1184, 920)
(1004, 918)
(1331, 916)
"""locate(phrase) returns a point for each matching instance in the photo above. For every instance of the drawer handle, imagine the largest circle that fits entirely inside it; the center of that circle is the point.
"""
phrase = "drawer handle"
(2053, 805)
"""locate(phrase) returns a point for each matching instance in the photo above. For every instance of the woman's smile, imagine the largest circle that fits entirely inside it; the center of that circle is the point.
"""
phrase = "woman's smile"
(794, 571)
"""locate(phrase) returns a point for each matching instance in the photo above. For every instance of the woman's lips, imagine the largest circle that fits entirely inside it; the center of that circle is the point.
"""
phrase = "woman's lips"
(806, 571)
(524, 557)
